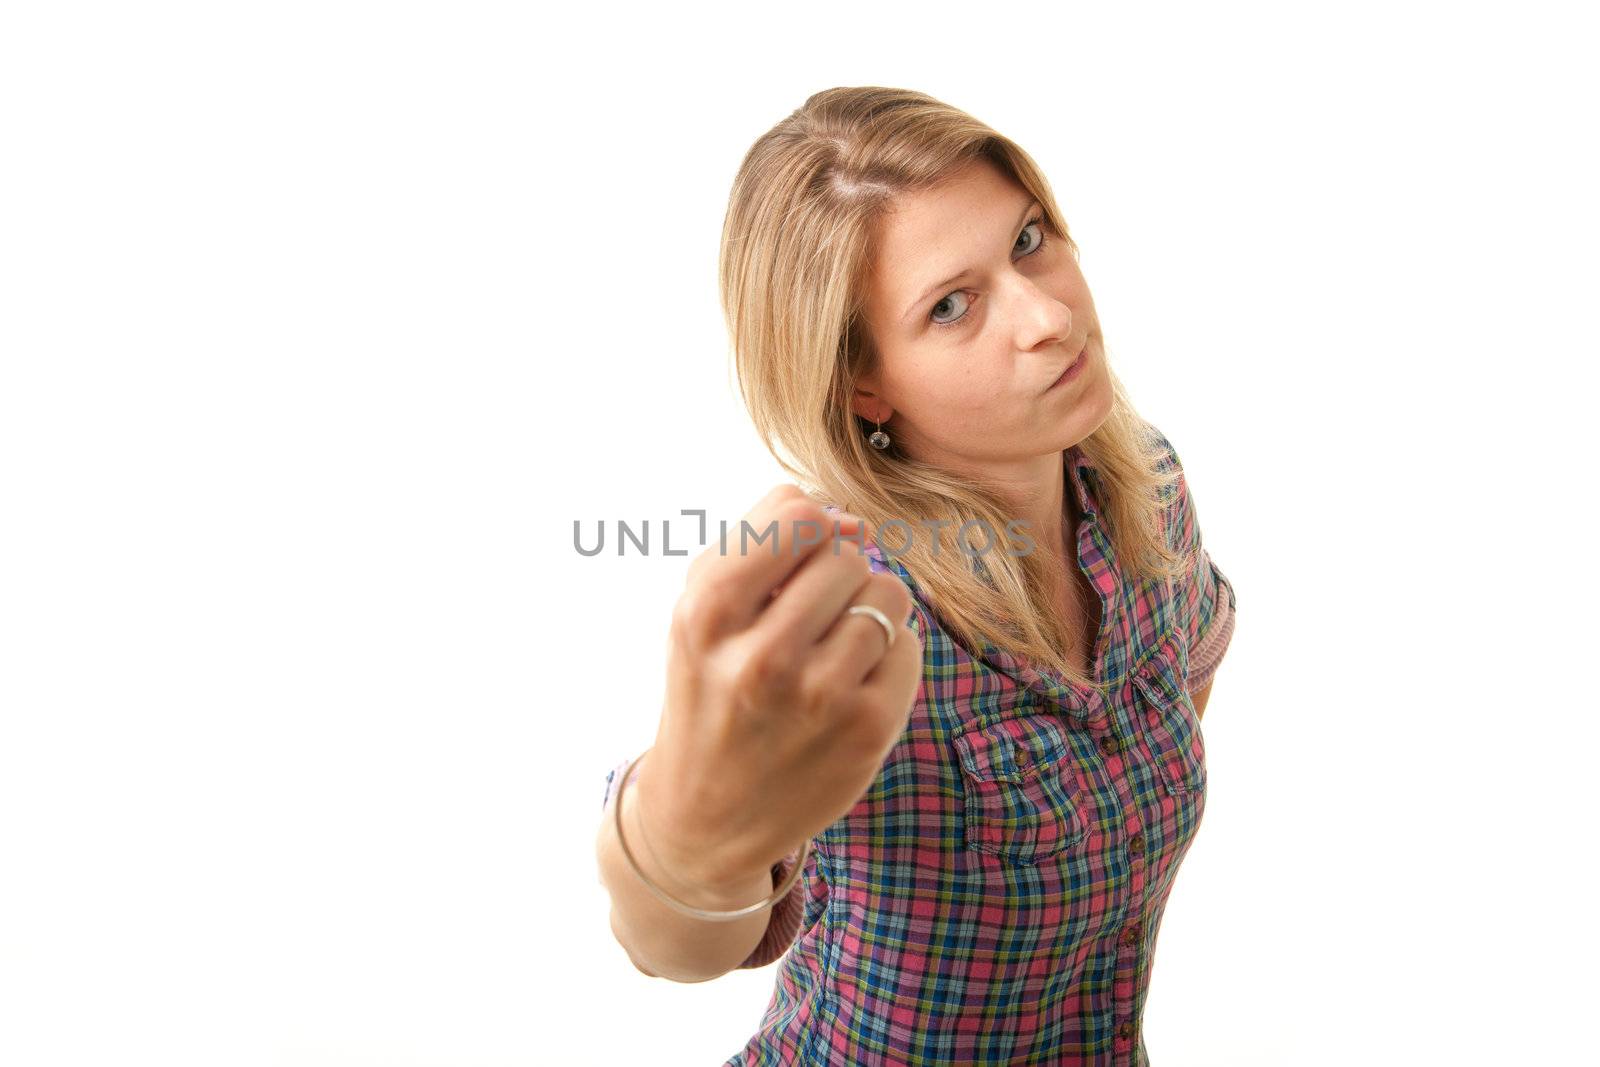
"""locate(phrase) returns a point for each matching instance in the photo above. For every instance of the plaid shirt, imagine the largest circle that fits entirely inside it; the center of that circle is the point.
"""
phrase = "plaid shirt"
(995, 896)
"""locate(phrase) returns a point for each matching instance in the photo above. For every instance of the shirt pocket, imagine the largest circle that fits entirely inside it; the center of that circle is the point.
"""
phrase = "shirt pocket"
(1022, 792)
(1170, 723)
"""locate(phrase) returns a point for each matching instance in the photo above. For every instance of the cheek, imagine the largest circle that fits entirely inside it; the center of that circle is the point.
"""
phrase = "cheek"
(993, 417)
(1101, 396)
(968, 386)
(980, 397)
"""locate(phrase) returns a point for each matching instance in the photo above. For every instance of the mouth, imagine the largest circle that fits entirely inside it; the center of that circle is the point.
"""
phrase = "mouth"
(1073, 369)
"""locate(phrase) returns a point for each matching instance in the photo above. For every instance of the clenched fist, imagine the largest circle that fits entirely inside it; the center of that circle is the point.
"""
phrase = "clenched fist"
(780, 705)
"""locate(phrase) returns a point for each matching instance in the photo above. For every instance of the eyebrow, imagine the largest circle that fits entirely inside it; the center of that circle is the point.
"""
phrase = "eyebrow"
(937, 286)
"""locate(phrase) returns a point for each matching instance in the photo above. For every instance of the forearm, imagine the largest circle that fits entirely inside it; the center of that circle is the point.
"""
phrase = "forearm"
(661, 941)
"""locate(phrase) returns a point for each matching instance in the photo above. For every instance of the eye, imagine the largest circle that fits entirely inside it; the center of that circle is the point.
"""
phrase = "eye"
(953, 296)
(1033, 223)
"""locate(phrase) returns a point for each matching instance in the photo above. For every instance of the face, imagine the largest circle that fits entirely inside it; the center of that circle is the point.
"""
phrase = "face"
(976, 309)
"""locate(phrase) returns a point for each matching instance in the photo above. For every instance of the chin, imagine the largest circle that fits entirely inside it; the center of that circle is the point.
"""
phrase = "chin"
(1089, 413)
(1097, 399)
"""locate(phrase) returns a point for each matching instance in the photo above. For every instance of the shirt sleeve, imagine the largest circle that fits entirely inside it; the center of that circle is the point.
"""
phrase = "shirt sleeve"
(1211, 626)
(783, 918)
(612, 782)
(1206, 596)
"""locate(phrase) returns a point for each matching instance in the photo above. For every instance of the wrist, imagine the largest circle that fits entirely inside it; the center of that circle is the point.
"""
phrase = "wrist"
(694, 875)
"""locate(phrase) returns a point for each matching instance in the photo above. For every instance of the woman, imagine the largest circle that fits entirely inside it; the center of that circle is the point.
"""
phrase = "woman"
(991, 806)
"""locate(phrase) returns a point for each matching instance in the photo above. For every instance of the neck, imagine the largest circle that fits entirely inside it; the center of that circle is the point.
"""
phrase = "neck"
(1038, 496)
(1035, 492)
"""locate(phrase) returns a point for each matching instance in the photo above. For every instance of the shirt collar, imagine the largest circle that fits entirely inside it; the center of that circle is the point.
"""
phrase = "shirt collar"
(1086, 705)
(1080, 473)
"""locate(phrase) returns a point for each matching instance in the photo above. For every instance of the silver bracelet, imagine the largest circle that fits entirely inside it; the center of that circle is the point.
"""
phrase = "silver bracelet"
(689, 909)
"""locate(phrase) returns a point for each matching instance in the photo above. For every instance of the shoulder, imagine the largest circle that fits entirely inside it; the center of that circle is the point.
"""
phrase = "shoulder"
(1166, 458)
(1178, 518)
(1161, 441)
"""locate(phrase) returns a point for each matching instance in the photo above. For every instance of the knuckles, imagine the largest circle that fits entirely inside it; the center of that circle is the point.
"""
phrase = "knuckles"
(784, 491)
(765, 670)
(699, 615)
(894, 593)
(813, 693)
(800, 516)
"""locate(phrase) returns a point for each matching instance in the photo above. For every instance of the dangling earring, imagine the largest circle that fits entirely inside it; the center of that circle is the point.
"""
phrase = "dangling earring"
(878, 439)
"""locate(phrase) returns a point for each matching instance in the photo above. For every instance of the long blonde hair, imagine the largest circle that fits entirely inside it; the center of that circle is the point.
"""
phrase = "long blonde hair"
(795, 253)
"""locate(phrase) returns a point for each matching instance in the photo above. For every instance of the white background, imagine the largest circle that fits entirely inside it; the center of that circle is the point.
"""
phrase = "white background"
(323, 322)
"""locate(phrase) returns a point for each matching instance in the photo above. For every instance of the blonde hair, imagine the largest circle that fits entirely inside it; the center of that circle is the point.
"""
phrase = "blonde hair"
(797, 243)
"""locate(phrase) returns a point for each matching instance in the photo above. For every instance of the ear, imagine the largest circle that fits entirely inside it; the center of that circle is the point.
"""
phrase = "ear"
(868, 404)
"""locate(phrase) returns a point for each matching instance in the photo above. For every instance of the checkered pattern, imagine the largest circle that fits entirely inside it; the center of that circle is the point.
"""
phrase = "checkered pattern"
(995, 896)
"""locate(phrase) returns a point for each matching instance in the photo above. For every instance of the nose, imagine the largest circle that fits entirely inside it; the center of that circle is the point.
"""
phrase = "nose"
(1043, 323)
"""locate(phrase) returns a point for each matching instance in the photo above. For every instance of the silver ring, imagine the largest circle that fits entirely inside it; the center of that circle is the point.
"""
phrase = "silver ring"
(872, 612)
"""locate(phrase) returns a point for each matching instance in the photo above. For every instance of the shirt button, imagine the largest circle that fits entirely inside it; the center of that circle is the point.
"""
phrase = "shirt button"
(1125, 1029)
(1130, 933)
(1108, 745)
(1136, 844)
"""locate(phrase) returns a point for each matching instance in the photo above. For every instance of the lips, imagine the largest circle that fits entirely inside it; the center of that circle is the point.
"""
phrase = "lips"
(1068, 368)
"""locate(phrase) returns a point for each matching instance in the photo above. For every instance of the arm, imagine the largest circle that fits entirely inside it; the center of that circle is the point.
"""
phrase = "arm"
(1206, 594)
(662, 942)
